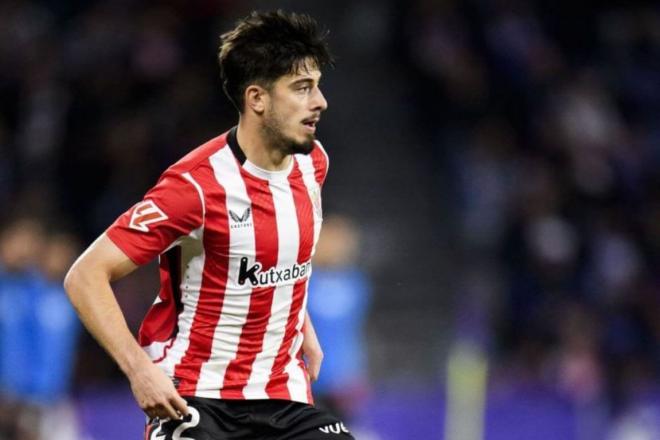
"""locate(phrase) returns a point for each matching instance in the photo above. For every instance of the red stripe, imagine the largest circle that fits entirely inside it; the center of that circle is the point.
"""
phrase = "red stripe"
(320, 162)
(253, 332)
(146, 217)
(214, 282)
(160, 322)
(276, 387)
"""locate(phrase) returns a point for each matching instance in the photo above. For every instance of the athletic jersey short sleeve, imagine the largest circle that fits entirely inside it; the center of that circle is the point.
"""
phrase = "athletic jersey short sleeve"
(235, 244)
(169, 211)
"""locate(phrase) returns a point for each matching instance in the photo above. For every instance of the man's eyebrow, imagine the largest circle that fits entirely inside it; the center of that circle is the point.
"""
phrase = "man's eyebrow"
(301, 81)
(305, 79)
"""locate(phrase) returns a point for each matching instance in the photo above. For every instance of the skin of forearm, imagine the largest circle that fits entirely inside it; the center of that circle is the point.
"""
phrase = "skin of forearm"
(309, 332)
(91, 295)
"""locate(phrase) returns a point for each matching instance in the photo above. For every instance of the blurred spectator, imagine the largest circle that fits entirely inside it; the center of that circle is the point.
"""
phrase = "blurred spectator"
(19, 247)
(38, 331)
(339, 297)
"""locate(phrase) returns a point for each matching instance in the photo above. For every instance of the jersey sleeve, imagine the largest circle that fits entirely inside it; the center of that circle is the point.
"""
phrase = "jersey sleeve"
(169, 211)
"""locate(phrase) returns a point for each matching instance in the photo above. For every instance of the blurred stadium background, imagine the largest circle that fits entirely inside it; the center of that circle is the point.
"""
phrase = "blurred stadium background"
(495, 176)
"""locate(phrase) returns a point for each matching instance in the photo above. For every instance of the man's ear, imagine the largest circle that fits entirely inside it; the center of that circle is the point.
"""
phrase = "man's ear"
(255, 98)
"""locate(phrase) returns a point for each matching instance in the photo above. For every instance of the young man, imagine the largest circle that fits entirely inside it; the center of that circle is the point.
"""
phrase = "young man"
(234, 223)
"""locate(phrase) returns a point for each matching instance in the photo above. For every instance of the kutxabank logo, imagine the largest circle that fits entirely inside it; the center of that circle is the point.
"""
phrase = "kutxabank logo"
(240, 221)
(272, 276)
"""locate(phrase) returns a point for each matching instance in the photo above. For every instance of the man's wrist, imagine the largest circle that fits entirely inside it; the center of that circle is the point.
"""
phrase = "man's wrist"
(133, 360)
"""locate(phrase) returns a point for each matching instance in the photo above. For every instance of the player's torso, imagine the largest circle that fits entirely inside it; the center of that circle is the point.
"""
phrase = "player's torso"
(261, 227)
(244, 278)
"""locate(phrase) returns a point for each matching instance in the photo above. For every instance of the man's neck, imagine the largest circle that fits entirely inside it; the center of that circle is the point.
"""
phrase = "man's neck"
(258, 150)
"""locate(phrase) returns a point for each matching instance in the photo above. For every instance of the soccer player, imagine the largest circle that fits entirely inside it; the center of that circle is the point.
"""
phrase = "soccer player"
(227, 351)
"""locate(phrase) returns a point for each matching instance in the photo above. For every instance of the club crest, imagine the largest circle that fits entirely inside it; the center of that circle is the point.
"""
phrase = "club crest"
(144, 214)
(315, 196)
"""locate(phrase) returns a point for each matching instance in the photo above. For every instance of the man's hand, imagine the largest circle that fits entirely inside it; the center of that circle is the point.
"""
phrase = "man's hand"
(311, 350)
(155, 393)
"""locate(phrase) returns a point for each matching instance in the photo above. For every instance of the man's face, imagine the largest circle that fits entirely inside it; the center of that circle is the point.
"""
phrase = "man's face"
(294, 109)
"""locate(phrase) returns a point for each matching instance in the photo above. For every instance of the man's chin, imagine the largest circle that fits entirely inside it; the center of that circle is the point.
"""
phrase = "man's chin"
(302, 147)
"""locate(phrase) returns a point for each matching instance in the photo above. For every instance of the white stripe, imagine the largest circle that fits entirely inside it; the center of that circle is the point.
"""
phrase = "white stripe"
(288, 239)
(192, 270)
(193, 257)
(197, 233)
(327, 158)
(297, 383)
(156, 349)
(236, 303)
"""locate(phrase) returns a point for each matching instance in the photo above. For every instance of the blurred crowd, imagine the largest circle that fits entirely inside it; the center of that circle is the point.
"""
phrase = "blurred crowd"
(544, 120)
(541, 125)
(106, 93)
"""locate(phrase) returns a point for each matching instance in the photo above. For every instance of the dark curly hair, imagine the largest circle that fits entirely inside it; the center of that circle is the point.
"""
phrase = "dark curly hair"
(267, 45)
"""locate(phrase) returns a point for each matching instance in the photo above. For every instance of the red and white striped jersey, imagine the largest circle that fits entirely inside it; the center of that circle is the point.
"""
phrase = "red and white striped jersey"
(235, 244)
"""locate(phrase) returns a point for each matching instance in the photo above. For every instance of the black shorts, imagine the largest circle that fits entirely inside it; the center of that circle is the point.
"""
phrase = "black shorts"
(215, 419)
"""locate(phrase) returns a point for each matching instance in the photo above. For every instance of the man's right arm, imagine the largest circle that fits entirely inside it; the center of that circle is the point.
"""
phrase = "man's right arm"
(88, 287)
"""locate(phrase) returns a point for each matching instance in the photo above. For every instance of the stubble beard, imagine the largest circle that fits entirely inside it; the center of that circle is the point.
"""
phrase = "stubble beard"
(273, 129)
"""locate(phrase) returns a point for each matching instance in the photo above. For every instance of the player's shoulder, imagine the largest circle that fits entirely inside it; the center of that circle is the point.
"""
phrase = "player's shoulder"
(318, 155)
(319, 149)
(198, 156)
(316, 162)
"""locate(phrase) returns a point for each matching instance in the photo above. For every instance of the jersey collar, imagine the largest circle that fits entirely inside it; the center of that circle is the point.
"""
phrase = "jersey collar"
(251, 168)
(232, 140)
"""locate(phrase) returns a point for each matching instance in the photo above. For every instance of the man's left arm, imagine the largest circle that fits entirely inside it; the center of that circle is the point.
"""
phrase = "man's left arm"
(311, 349)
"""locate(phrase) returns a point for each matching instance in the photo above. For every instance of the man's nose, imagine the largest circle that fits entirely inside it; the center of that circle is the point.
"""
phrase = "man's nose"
(319, 102)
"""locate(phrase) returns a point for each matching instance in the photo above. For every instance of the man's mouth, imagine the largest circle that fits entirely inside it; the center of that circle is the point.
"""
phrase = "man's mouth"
(310, 123)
